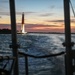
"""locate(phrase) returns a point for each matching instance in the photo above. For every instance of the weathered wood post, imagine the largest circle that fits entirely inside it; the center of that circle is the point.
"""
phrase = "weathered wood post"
(68, 44)
(14, 45)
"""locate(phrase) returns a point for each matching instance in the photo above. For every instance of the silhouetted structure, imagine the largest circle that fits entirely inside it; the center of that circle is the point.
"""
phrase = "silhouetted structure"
(5, 31)
(23, 24)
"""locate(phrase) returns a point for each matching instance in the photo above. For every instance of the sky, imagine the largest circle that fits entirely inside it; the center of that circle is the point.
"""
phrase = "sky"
(40, 15)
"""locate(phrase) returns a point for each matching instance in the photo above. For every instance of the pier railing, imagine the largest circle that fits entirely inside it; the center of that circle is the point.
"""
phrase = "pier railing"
(68, 58)
(33, 56)
(3, 70)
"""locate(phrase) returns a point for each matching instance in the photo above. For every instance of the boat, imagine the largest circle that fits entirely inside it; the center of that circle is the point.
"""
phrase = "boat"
(69, 54)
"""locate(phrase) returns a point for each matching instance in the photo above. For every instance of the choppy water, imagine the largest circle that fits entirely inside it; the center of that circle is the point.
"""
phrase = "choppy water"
(38, 44)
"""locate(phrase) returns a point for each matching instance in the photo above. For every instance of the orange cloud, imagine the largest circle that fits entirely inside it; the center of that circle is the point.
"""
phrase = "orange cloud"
(45, 28)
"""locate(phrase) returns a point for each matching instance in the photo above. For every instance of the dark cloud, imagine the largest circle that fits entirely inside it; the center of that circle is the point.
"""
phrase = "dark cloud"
(46, 14)
(41, 28)
(73, 20)
(34, 27)
(0, 17)
(52, 6)
(5, 26)
(19, 13)
(4, 1)
(39, 25)
(54, 20)
(30, 12)
(1, 8)
(5, 13)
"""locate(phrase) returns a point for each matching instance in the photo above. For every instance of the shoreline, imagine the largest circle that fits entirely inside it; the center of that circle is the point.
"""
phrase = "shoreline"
(37, 33)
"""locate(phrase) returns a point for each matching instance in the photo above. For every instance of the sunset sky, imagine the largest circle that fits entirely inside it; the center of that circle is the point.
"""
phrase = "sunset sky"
(40, 15)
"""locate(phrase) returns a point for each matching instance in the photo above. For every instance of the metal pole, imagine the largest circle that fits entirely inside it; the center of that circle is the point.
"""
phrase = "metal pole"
(26, 64)
(14, 36)
(68, 57)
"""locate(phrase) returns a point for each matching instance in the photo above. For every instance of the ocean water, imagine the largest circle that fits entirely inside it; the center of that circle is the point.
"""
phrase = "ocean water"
(37, 44)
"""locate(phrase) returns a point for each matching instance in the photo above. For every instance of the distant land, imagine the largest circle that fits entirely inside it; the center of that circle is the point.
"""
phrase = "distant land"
(8, 31)
(5, 31)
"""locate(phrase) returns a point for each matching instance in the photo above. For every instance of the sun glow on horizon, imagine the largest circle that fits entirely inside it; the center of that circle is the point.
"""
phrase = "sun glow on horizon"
(40, 15)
